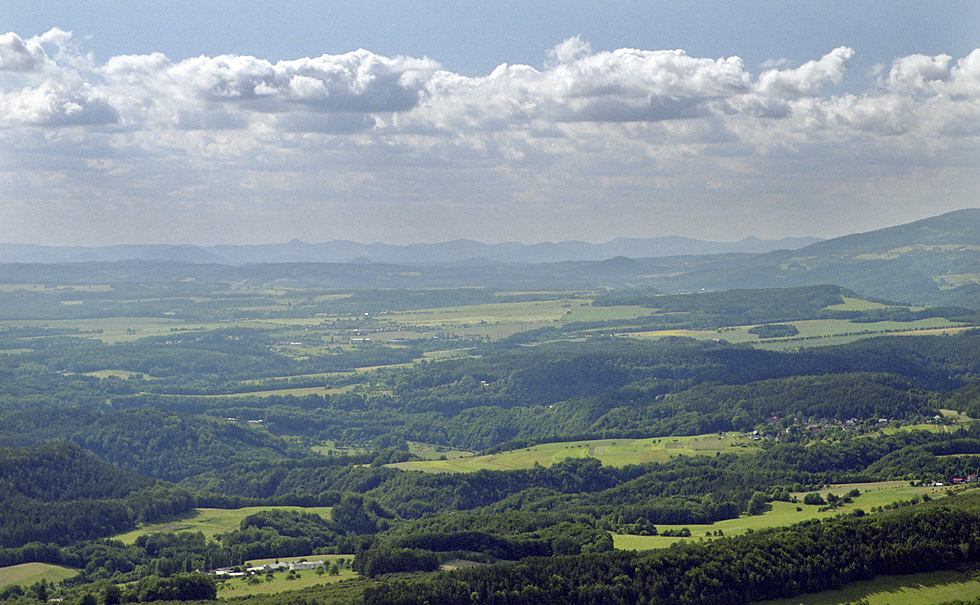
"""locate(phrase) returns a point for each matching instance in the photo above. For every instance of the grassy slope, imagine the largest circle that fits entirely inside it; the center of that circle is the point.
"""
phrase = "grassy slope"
(915, 589)
(785, 513)
(27, 574)
(210, 521)
(613, 452)
(305, 579)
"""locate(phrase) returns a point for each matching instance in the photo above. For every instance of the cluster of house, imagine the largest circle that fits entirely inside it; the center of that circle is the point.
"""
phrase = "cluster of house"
(960, 480)
(238, 572)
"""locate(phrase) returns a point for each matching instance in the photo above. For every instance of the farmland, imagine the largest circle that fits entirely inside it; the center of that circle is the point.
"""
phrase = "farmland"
(206, 426)
(612, 452)
(27, 574)
(913, 589)
(210, 521)
(784, 514)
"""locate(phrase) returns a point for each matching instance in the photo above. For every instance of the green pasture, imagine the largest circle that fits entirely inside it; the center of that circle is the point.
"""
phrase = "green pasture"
(295, 391)
(431, 451)
(530, 312)
(242, 587)
(857, 304)
(27, 574)
(263, 382)
(955, 280)
(124, 374)
(913, 589)
(210, 521)
(950, 416)
(812, 332)
(325, 448)
(43, 288)
(954, 415)
(784, 514)
(612, 452)
(107, 329)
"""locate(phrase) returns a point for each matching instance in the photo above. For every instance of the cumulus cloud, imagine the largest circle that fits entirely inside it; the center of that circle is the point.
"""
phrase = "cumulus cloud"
(965, 76)
(18, 55)
(808, 79)
(52, 104)
(356, 81)
(918, 73)
(638, 122)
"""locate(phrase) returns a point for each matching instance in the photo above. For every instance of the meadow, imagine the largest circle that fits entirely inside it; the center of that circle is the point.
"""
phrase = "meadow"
(210, 521)
(913, 589)
(27, 574)
(612, 452)
(783, 514)
(812, 332)
(281, 582)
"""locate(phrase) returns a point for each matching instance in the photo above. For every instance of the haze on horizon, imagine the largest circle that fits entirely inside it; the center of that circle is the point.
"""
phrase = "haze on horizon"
(518, 121)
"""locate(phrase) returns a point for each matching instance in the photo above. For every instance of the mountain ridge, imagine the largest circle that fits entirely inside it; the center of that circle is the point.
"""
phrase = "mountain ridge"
(930, 262)
(345, 251)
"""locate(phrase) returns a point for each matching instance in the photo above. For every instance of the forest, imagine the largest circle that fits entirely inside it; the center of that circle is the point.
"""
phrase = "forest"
(131, 405)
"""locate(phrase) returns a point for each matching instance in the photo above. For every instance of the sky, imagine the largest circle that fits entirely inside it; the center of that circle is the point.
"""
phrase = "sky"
(187, 122)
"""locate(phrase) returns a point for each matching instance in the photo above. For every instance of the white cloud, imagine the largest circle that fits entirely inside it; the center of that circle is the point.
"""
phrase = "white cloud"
(965, 76)
(918, 73)
(621, 130)
(52, 104)
(809, 79)
(18, 55)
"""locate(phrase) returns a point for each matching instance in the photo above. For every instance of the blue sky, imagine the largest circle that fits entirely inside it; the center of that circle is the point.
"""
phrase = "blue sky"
(229, 122)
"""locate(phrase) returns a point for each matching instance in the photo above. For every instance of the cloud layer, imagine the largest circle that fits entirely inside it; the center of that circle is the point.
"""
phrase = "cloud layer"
(362, 146)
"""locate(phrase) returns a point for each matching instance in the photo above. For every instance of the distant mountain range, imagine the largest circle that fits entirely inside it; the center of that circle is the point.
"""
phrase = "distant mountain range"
(935, 261)
(438, 253)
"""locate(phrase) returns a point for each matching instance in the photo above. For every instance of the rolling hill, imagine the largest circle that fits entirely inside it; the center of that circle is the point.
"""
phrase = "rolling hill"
(935, 261)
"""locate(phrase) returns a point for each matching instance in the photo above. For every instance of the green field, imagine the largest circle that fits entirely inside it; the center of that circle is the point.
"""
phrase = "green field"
(785, 513)
(914, 589)
(28, 574)
(210, 521)
(612, 452)
(435, 452)
(812, 332)
(241, 587)
(857, 304)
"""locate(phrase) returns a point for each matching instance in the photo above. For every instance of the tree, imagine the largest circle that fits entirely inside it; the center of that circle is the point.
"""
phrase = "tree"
(112, 595)
(40, 590)
(758, 504)
(814, 498)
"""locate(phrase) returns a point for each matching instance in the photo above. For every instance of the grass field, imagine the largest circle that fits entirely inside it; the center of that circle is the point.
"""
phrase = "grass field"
(914, 589)
(785, 513)
(434, 452)
(210, 521)
(612, 452)
(241, 587)
(813, 332)
(857, 304)
(500, 320)
(28, 574)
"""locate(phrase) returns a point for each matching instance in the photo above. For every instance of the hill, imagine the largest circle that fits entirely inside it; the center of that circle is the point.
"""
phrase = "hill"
(58, 493)
(935, 261)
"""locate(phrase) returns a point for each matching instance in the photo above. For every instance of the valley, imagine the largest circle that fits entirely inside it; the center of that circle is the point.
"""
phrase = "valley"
(159, 421)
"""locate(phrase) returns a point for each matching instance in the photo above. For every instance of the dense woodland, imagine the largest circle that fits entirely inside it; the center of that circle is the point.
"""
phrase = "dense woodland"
(98, 436)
